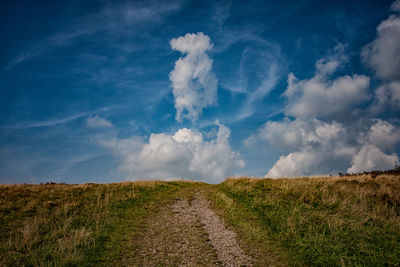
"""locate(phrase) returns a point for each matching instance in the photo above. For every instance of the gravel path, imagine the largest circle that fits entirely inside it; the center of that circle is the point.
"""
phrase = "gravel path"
(188, 233)
(175, 237)
(222, 239)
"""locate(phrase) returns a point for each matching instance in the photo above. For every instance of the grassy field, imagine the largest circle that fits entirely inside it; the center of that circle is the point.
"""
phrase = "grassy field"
(347, 221)
(58, 225)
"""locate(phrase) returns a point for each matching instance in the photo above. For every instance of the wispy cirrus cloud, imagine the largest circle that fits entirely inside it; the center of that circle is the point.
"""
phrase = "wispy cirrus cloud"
(222, 12)
(261, 66)
(267, 71)
(47, 123)
(53, 121)
(98, 122)
(110, 21)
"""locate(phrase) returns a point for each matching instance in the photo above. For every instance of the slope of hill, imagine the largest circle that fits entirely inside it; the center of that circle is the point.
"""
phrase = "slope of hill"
(308, 221)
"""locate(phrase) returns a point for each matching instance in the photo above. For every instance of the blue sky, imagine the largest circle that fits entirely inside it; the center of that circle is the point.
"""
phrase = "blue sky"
(104, 91)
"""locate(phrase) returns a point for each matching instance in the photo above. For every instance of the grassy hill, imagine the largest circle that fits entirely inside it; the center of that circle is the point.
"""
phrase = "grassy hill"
(291, 222)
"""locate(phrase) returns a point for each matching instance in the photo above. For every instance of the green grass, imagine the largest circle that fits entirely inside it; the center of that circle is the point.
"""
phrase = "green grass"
(319, 222)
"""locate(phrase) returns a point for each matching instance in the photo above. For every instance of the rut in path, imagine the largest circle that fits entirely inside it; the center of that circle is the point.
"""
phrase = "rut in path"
(189, 234)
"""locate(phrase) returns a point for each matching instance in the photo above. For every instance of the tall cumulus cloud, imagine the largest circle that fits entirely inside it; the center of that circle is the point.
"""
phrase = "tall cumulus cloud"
(193, 82)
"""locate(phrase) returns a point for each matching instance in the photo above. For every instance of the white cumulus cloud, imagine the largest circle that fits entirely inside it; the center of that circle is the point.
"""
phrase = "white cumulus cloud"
(294, 164)
(387, 96)
(383, 54)
(322, 136)
(318, 147)
(182, 154)
(193, 82)
(372, 158)
(98, 122)
(395, 6)
(322, 97)
(315, 146)
(383, 135)
(289, 135)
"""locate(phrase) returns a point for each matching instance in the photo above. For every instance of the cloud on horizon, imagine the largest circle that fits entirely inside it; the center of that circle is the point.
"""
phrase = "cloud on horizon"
(184, 154)
(319, 147)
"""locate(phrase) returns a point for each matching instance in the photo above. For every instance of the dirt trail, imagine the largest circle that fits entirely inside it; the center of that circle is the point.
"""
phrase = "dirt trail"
(222, 239)
(188, 233)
